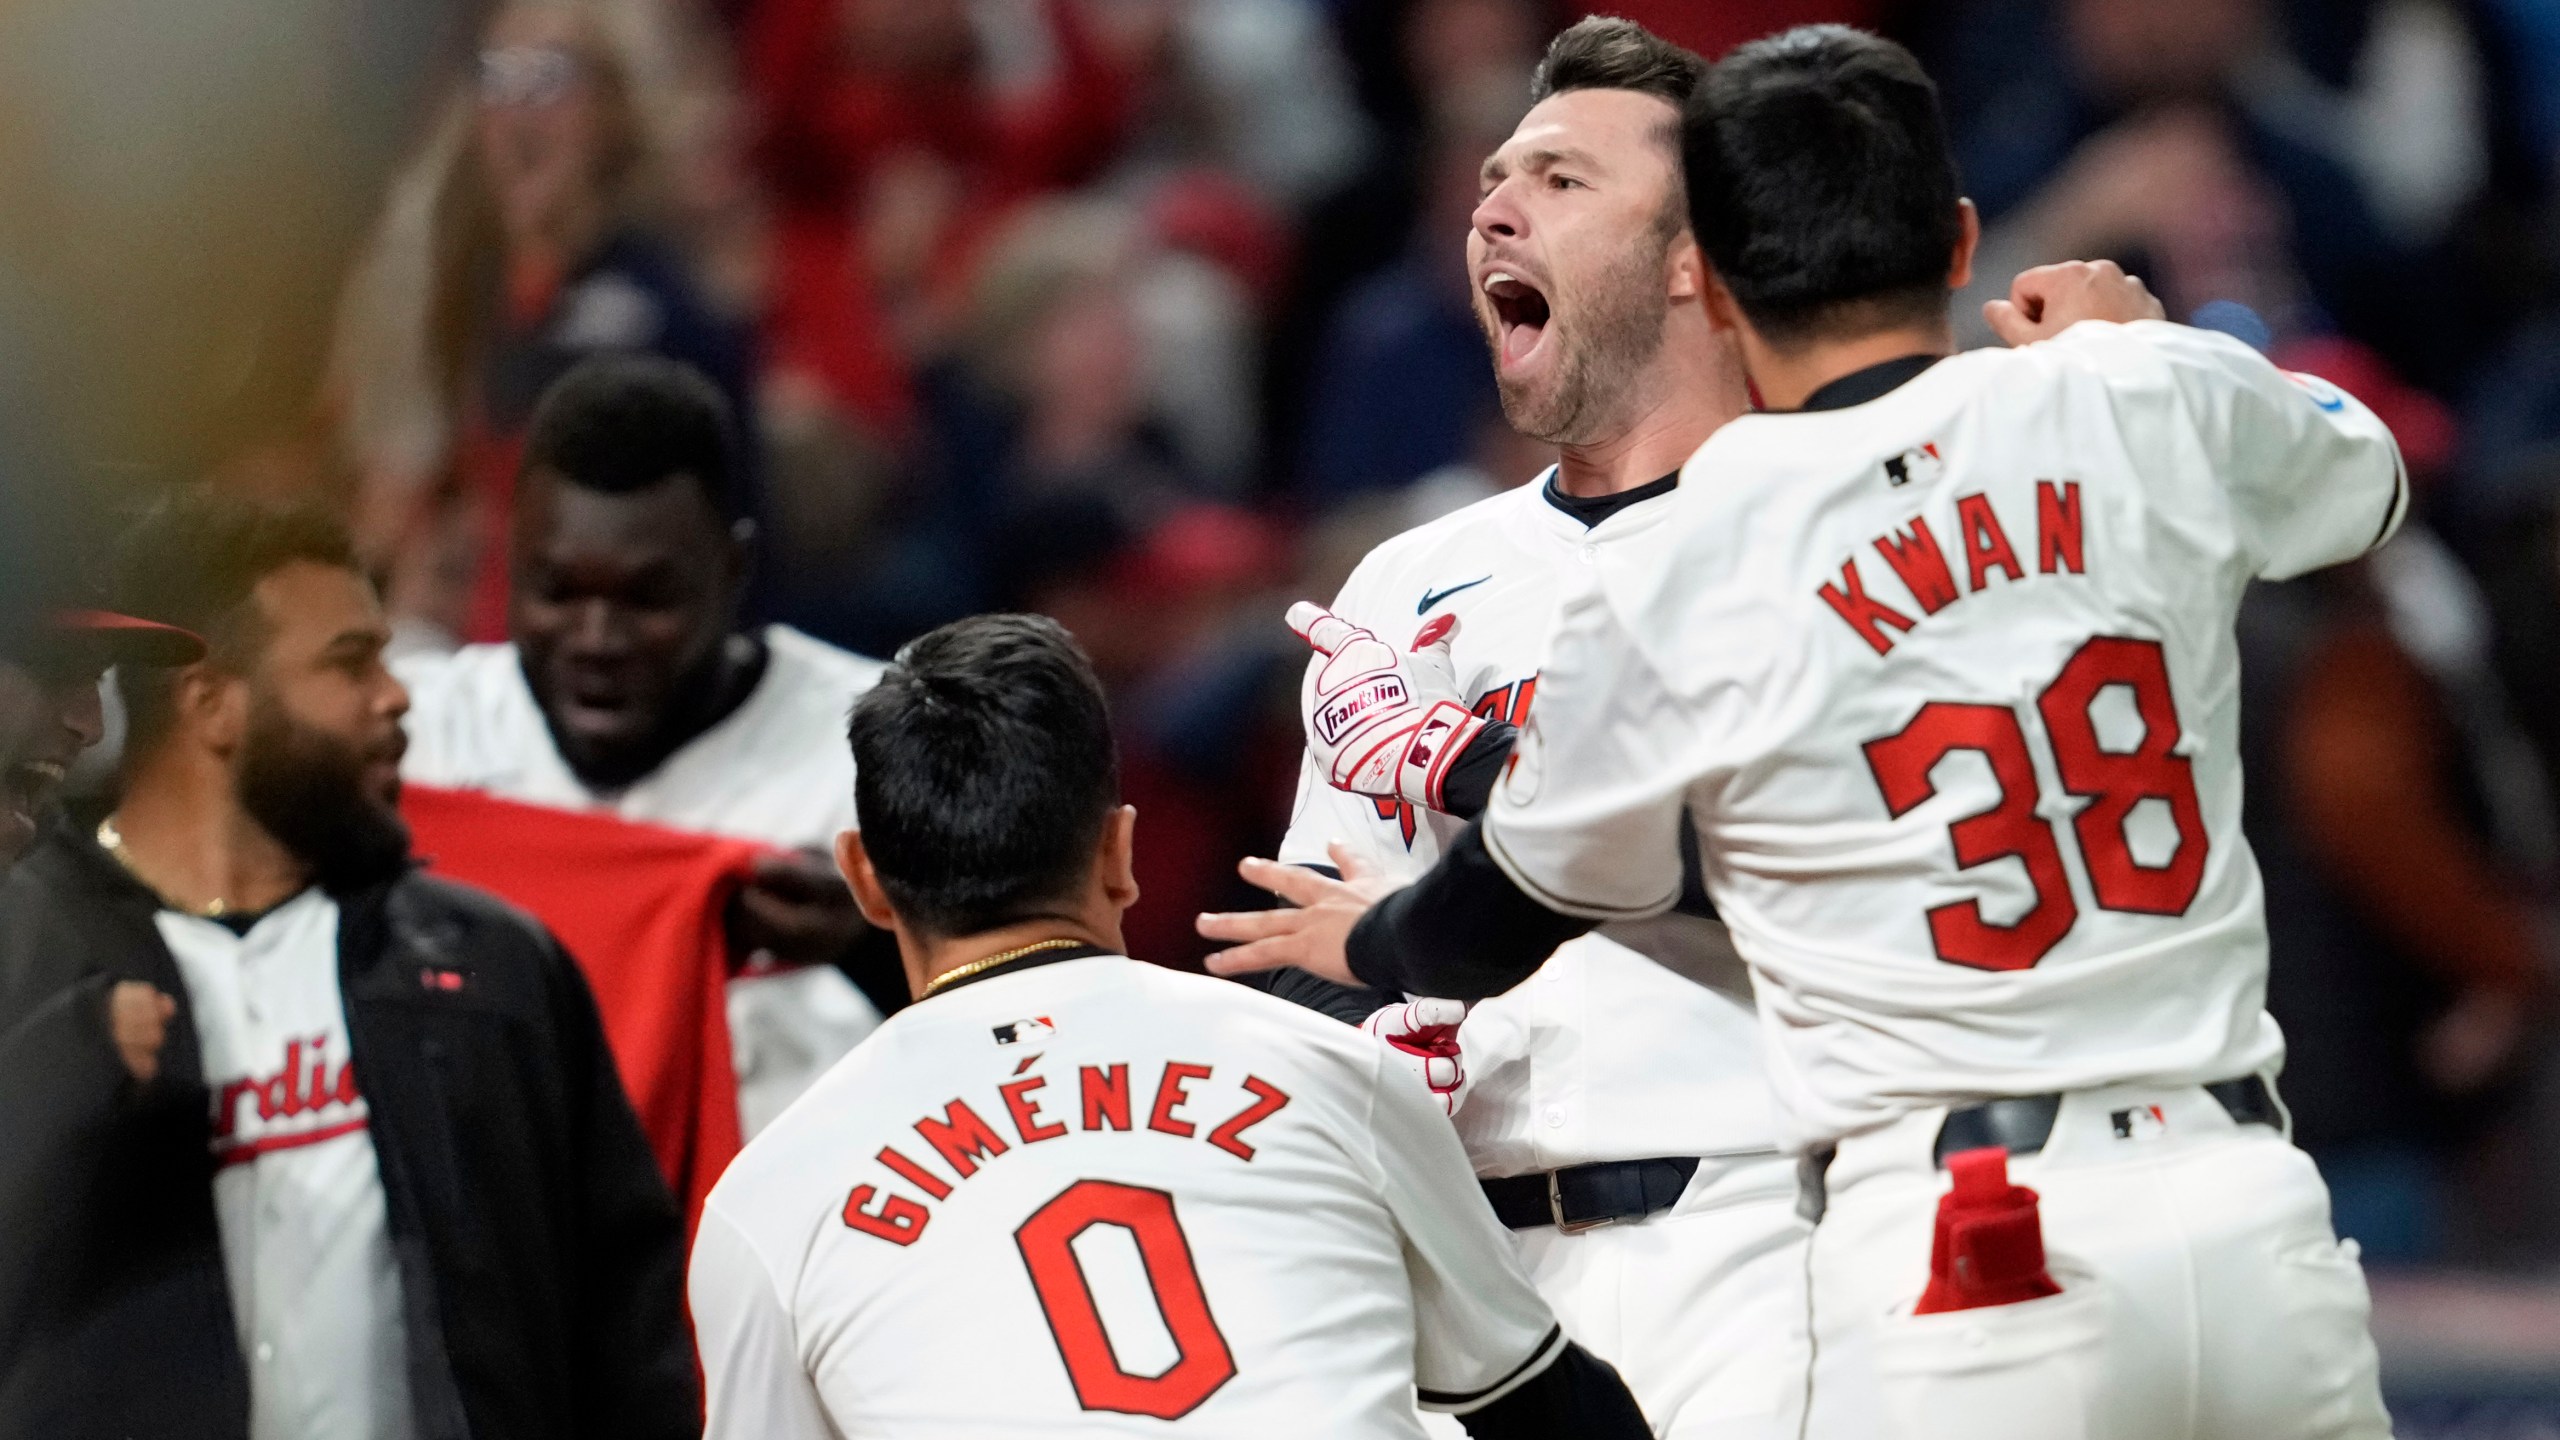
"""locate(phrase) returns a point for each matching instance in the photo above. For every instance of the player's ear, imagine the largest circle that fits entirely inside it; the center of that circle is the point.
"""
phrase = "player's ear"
(1968, 236)
(1686, 268)
(1721, 306)
(1117, 862)
(855, 863)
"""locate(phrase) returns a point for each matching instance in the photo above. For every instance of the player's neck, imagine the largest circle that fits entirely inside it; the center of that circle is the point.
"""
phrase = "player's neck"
(187, 836)
(1787, 376)
(1692, 390)
(930, 958)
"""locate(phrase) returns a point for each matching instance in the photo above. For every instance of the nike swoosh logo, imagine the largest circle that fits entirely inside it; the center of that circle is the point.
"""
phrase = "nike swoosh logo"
(1434, 597)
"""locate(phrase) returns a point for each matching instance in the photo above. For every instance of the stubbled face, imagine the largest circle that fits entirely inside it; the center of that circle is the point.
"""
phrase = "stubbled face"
(319, 762)
(621, 605)
(48, 715)
(1567, 257)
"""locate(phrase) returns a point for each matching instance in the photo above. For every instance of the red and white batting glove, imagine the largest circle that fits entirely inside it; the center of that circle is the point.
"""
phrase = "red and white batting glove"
(1380, 721)
(1424, 1034)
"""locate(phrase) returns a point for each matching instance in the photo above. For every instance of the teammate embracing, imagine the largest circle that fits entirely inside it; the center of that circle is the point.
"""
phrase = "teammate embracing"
(1614, 1103)
(1937, 660)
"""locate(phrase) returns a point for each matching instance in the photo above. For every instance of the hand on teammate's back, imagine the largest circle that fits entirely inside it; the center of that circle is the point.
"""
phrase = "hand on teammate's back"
(2049, 299)
(796, 910)
(138, 1018)
(1313, 932)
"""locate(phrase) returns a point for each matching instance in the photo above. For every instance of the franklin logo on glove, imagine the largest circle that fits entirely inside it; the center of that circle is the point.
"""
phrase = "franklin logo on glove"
(1383, 723)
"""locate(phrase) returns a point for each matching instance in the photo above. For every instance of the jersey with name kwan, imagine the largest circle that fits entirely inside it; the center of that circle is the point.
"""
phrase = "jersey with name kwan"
(1948, 682)
(1100, 1196)
(1632, 1042)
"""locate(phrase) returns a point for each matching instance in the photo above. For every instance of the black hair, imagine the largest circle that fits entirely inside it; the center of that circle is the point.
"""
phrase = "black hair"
(192, 560)
(1603, 52)
(625, 422)
(984, 771)
(1821, 185)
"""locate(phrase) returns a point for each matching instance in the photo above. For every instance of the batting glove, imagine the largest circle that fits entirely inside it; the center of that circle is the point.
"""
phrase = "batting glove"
(1380, 722)
(1424, 1034)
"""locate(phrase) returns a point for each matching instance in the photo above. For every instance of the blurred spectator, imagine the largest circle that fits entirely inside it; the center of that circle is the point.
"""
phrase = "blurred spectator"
(2185, 140)
(518, 243)
(1399, 386)
(49, 704)
(357, 1162)
(629, 684)
(2405, 831)
(1250, 89)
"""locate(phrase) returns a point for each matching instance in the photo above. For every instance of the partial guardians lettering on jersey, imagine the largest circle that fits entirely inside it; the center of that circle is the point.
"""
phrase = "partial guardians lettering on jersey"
(1947, 681)
(1103, 1195)
(1631, 1042)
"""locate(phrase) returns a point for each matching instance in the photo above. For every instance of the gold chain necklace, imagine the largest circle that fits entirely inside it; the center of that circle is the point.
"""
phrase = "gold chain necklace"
(111, 840)
(1001, 957)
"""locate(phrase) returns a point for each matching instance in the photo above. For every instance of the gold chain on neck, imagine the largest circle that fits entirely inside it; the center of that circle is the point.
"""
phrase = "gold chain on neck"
(111, 840)
(1001, 957)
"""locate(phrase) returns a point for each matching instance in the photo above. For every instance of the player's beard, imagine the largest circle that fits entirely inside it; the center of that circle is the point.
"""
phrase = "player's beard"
(307, 787)
(1605, 333)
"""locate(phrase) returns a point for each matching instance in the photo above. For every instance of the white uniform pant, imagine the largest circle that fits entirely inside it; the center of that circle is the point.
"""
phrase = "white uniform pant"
(2204, 1295)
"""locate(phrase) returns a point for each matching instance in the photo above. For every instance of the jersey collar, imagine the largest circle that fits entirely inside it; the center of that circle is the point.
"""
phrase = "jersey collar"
(1860, 386)
(1590, 510)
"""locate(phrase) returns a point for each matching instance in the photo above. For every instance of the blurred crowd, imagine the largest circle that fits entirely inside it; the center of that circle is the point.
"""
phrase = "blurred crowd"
(1149, 315)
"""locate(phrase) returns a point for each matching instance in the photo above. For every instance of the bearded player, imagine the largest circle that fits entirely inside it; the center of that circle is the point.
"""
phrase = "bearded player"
(1934, 666)
(1613, 1105)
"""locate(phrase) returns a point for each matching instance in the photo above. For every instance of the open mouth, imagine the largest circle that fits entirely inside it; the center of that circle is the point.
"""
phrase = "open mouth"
(26, 786)
(1520, 314)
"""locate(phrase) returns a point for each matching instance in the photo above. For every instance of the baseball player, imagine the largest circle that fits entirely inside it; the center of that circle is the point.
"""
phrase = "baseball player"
(1067, 1191)
(1937, 660)
(1614, 1103)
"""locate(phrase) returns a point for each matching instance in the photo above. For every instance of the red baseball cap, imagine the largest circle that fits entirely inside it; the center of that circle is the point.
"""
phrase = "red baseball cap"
(126, 639)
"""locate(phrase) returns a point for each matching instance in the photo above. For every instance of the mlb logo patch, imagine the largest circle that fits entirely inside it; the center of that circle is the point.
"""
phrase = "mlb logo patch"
(1923, 465)
(2143, 1122)
(1025, 1032)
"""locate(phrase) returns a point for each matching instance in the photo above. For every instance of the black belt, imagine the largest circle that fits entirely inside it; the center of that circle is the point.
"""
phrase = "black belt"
(2021, 1124)
(1586, 1197)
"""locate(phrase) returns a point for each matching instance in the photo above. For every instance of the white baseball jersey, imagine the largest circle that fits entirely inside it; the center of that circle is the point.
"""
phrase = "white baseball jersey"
(296, 1190)
(1604, 1054)
(1097, 1196)
(1947, 681)
(777, 769)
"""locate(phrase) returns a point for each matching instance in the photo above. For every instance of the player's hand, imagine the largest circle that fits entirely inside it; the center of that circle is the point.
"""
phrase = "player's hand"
(2050, 299)
(138, 1016)
(1424, 1033)
(1310, 936)
(1380, 721)
(795, 910)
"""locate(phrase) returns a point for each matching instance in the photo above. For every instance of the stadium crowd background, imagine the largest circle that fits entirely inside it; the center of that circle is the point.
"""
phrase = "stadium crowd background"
(1150, 315)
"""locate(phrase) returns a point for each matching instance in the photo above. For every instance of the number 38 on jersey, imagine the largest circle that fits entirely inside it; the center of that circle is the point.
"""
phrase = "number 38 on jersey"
(2111, 783)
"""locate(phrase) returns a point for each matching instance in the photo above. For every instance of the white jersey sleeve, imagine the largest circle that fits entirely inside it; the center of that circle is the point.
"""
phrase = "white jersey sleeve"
(2314, 478)
(1480, 1330)
(1588, 820)
(755, 1386)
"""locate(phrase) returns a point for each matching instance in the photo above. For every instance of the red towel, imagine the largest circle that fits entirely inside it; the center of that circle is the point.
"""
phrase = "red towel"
(640, 908)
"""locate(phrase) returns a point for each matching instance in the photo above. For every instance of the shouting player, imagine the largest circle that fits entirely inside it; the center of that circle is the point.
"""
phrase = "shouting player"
(1937, 659)
(1614, 1105)
(1070, 1191)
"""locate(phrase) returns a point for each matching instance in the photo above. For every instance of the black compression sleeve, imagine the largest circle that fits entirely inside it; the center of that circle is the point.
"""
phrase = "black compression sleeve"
(1468, 787)
(1349, 1004)
(1462, 931)
(1579, 1395)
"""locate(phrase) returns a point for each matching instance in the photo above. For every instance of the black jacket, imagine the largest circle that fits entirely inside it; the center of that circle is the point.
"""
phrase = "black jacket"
(541, 1256)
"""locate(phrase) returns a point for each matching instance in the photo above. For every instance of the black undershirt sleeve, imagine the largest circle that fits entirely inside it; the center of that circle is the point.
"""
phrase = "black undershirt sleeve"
(1579, 1395)
(1463, 931)
(1468, 787)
